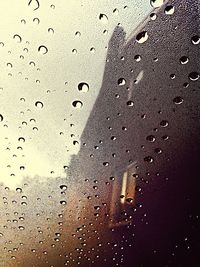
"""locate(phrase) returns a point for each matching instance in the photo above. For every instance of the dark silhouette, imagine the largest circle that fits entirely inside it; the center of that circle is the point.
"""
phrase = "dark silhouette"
(148, 93)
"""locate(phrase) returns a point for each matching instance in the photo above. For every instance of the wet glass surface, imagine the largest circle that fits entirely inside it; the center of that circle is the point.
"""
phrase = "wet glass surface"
(99, 127)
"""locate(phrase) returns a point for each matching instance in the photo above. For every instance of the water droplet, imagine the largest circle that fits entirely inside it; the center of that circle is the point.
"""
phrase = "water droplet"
(194, 76)
(137, 58)
(121, 81)
(186, 85)
(21, 139)
(153, 16)
(158, 150)
(130, 103)
(74, 51)
(92, 49)
(116, 11)
(195, 39)
(63, 202)
(103, 18)
(42, 49)
(172, 76)
(156, 3)
(19, 190)
(9, 65)
(36, 20)
(148, 159)
(51, 31)
(77, 104)
(17, 38)
(22, 99)
(32, 63)
(169, 10)
(63, 187)
(34, 4)
(142, 37)
(150, 138)
(178, 100)
(77, 34)
(83, 87)
(164, 123)
(129, 200)
(75, 143)
(39, 104)
(184, 60)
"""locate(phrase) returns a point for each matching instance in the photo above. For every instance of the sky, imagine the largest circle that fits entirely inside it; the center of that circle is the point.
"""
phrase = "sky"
(46, 51)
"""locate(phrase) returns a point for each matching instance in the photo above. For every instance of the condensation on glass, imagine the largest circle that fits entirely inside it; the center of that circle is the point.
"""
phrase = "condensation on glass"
(99, 132)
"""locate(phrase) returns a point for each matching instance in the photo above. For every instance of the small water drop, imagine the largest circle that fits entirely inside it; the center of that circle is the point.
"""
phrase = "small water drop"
(74, 51)
(92, 49)
(77, 104)
(39, 104)
(63, 187)
(51, 31)
(194, 76)
(103, 18)
(150, 138)
(63, 202)
(130, 103)
(83, 87)
(148, 159)
(153, 16)
(184, 60)
(158, 150)
(9, 65)
(21, 139)
(142, 37)
(156, 3)
(77, 34)
(23, 21)
(195, 39)
(42, 49)
(137, 58)
(32, 63)
(164, 123)
(178, 100)
(17, 38)
(36, 20)
(19, 190)
(169, 10)
(121, 81)
(116, 11)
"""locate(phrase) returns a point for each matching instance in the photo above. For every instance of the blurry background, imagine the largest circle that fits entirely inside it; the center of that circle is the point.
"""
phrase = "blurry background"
(100, 124)
(73, 37)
